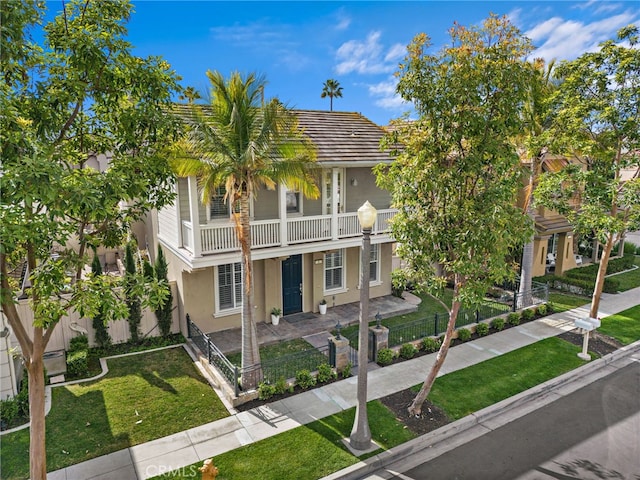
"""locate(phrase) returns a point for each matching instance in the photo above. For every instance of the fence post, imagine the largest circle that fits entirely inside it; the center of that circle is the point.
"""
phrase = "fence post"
(477, 315)
(188, 326)
(514, 307)
(236, 386)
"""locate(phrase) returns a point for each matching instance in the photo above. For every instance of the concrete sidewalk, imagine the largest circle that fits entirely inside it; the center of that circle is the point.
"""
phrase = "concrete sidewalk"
(206, 441)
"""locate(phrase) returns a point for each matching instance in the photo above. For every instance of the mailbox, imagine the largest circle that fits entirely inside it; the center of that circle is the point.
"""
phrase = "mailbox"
(594, 321)
(584, 324)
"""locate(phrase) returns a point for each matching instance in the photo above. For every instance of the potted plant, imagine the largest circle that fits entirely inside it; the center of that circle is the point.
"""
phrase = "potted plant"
(323, 306)
(275, 315)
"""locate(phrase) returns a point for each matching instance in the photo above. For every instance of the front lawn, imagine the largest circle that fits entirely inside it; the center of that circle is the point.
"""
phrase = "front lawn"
(142, 398)
(563, 302)
(629, 279)
(623, 326)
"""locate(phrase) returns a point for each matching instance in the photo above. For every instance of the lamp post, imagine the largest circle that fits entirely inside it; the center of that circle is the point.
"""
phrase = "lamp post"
(361, 434)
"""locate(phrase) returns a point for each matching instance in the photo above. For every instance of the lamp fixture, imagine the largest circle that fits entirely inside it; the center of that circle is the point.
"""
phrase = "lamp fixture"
(354, 182)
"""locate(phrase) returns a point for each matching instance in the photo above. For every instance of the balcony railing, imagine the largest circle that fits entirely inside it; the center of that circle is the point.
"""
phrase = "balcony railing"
(220, 238)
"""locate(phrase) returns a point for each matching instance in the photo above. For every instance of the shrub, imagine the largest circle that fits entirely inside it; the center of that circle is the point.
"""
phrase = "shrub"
(430, 344)
(497, 323)
(81, 342)
(385, 356)
(304, 379)
(266, 391)
(527, 314)
(77, 363)
(282, 386)
(542, 310)
(482, 329)
(398, 283)
(8, 411)
(22, 399)
(464, 334)
(513, 319)
(407, 351)
(346, 371)
(629, 248)
(325, 373)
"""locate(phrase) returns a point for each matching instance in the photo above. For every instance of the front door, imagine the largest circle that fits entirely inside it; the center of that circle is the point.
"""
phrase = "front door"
(292, 285)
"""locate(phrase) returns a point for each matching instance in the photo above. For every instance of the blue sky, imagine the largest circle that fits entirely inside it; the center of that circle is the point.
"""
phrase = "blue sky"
(297, 46)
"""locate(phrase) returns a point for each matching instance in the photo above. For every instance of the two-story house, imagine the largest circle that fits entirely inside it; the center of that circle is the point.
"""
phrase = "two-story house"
(303, 250)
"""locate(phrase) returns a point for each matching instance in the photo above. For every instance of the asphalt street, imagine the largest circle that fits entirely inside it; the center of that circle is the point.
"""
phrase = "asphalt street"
(592, 433)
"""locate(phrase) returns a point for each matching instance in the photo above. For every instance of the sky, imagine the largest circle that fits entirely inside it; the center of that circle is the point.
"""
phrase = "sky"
(297, 46)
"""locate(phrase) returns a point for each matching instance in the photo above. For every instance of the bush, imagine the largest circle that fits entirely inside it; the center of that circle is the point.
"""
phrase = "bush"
(527, 314)
(407, 351)
(22, 399)
(81, 342)
(482, 329)
(513, 319)
(282, 386)
(8, 411)
(430, 344)
(325, 373)
(464, 334)
(266, 391)
(385, 356)
(398, 283)
(542, 310)
(346, 371)
(497, 323)
(77, 363)
(304, 379)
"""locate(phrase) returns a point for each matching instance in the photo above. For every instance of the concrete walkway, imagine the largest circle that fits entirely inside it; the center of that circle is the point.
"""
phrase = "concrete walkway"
(194, 445)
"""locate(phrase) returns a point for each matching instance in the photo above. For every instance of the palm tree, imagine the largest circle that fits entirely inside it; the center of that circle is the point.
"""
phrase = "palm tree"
(331, 88)
(244, 144)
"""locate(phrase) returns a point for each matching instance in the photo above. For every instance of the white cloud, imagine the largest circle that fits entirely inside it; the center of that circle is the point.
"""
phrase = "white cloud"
(567, 39)
(386, 96)
(343, 20)
(368, 56)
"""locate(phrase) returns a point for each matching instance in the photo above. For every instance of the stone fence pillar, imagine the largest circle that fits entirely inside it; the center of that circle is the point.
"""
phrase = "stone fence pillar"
(380, 338)
(339, 351)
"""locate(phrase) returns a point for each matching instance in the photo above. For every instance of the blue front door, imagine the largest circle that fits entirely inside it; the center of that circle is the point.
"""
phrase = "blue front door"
(292, 285)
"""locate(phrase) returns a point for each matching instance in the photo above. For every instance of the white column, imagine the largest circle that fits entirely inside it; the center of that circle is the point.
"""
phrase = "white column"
(334, 203)
(282, 214)
(195, 217)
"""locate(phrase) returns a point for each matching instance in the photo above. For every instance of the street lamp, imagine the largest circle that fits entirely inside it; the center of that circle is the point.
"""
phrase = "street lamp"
(361, 434)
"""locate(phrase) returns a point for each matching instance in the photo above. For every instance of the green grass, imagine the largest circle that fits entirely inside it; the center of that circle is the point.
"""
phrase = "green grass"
(465, 391)
(318, 447)
(565, 301)
(143, 397)
(275, 350)
(311, 451)
(631, 279)
(623, 326)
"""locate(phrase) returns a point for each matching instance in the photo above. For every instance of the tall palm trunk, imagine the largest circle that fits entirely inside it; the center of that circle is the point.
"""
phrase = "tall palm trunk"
(250, 352)
(416, 406)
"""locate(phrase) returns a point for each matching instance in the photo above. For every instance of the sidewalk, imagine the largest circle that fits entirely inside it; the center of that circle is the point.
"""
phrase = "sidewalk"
(197, 444)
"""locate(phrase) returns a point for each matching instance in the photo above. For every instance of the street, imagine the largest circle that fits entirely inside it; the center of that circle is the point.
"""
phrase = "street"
(592, 433)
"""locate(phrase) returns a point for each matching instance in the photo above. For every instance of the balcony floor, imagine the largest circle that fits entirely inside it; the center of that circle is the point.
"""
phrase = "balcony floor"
(307, 324)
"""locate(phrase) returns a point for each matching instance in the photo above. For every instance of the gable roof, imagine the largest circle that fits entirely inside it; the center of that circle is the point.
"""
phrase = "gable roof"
(343, 138)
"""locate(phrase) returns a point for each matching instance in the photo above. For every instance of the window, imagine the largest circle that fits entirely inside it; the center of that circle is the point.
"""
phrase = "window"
(230, 286)
(293, 202)
(374, 263)
(333, 270)
(218, 207)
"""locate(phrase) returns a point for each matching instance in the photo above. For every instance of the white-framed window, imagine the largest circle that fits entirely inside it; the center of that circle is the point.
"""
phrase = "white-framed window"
(374, 264)
(334, 270)
(294, 202)
(219, 209)
(327, 192)
(229, 286)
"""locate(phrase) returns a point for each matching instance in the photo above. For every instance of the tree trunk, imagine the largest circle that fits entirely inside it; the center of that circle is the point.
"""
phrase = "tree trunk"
(251, 369)
(602, 271)
(37, 429)
(416, 406)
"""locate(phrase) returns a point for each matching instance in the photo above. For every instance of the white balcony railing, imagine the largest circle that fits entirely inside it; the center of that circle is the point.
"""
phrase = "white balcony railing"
(219, 238)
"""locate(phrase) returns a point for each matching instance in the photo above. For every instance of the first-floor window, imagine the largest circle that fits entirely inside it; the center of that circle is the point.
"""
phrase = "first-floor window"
(230, 286)
(374, 263)
(333, 270)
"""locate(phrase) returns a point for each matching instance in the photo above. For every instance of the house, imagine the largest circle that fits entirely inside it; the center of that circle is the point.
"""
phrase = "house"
(303, 250)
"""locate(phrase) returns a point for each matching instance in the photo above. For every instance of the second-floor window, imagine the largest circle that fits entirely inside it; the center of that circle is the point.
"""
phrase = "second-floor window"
(333, 270)
(230, 286)
(219, 209)
(293, 202)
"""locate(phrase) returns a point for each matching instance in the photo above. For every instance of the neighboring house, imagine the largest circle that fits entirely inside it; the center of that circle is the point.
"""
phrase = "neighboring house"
(303, 250)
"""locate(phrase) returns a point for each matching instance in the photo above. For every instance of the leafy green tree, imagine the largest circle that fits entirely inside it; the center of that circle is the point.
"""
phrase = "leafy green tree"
(244, 144)
(79, 93)
(132, 294)
(102, 336)
(164, 313)
(596, 122)
(456, 178)
(332, 89)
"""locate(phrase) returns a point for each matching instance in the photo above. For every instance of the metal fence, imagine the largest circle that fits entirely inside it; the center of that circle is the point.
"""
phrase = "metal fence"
(286, 366)
(214, 356)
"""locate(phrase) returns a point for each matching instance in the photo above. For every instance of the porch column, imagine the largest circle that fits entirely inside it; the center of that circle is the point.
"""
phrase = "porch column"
(565, 259)
(282, 214)
(334, 203)
(195, 217)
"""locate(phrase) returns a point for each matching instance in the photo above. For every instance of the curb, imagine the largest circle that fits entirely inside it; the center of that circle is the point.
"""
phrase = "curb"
(470, 427)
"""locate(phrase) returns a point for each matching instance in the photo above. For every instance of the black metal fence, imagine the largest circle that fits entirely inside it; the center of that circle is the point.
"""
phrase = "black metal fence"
(286, 366)
(215, 357)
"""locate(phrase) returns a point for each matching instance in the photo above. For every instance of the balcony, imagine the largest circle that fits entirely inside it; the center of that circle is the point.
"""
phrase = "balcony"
(221, 238)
